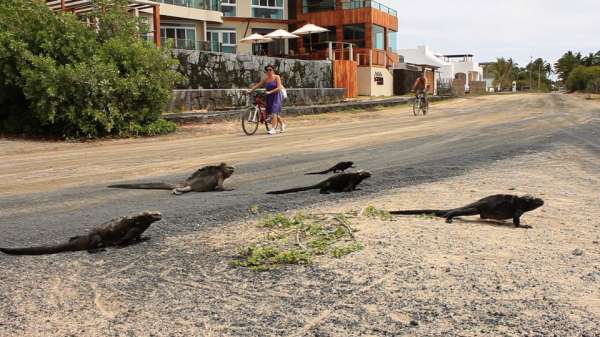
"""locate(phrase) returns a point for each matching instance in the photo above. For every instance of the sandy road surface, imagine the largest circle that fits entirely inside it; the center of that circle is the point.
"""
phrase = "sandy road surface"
(64, 183)
(449, 280)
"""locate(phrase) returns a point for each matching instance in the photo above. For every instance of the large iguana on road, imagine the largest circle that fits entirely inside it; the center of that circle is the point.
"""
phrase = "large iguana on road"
(117, 232)
(343, 182)
(497, 207)
(206, 179)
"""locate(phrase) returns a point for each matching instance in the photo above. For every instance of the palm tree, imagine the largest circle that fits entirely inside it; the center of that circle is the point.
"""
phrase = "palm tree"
(501, 69)
(566, 64)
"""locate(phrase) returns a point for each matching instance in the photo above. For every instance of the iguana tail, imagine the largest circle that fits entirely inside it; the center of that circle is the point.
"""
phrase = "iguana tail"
(436, 212)
(43, 250)
(294, 190)
(146, 186)
(322, 172)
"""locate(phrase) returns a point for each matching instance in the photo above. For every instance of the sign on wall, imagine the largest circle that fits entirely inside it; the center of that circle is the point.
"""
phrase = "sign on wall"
(378, 78)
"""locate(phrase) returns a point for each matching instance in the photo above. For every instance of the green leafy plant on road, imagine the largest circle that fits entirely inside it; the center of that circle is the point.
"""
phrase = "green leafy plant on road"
(298, 239)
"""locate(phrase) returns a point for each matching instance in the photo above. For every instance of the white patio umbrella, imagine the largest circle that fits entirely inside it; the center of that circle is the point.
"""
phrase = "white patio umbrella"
(309, 29)
(281, 34)
(256, 38)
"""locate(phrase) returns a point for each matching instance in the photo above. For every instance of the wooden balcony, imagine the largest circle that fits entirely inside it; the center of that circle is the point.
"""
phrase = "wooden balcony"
(364, 56)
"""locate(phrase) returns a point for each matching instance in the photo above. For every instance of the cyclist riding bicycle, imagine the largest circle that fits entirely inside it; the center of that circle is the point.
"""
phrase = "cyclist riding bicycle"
(420, 86)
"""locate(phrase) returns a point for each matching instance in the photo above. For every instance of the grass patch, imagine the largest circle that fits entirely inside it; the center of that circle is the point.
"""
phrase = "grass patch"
(371, 212)
(298, 239)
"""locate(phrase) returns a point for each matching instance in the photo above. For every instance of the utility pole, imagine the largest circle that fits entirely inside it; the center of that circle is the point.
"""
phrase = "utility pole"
(530, 64)
(540, 75)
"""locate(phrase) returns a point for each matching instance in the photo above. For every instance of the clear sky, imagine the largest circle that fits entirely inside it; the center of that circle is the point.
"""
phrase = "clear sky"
(496, 28)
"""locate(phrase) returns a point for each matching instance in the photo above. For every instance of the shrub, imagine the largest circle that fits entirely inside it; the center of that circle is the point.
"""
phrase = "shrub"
(584, 79)
(70, 80)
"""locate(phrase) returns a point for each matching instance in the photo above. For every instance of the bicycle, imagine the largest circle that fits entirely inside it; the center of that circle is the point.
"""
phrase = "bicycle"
(420, 104)
(255, 114)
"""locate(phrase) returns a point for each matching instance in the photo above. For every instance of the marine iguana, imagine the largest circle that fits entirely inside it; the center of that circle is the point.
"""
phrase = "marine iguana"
(497, 207)
(343, 182)
(118, 232)
(339, 167)
(206, 179)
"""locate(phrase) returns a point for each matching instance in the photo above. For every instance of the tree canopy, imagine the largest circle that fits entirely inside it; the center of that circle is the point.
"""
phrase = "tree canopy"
(73, 79)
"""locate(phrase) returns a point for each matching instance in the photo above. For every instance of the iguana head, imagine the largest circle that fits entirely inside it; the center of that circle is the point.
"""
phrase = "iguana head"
(531, 203)
(143, 219)
(227, 170)
(364, 174)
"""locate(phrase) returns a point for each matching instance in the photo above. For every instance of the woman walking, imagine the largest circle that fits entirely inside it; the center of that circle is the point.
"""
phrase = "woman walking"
(272, 83)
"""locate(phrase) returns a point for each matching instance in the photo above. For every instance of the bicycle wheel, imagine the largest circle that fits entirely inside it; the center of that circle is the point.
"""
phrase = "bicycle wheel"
(250, 120)
(416, 106)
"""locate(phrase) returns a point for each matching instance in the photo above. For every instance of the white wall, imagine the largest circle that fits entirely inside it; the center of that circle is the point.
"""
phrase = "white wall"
(367, 86)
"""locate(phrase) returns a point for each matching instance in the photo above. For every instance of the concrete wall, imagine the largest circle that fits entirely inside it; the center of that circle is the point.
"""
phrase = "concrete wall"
(189, 13)
(368, 86)
(223, 99)
(205, 70)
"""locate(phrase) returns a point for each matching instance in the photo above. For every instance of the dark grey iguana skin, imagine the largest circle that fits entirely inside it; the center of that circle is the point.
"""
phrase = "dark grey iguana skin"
(343, 182)
(339, 167)
(118, 232)
(497, 207)
(206, 179)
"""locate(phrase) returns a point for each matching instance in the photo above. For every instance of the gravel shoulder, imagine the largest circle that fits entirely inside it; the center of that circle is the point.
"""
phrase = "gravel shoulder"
(416, 276)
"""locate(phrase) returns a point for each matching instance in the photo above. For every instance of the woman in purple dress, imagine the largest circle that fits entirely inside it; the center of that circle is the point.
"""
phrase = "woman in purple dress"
(272, 83)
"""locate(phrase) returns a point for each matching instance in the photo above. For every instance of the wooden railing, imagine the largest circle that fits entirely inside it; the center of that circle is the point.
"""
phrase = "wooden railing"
(363, 56)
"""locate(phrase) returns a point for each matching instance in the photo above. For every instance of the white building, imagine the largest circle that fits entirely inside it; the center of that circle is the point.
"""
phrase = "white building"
(462, 65)
(450, 66)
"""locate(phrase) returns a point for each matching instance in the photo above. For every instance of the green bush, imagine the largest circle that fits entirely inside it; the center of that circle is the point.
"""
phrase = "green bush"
(71, 80)
(584, 79)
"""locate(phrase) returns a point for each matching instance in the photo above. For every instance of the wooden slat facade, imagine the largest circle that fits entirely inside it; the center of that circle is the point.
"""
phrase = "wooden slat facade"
(345, 75)
(350, 17)
(340, 17)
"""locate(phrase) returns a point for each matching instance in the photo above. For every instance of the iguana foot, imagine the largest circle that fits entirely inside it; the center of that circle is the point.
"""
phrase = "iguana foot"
(448, 220)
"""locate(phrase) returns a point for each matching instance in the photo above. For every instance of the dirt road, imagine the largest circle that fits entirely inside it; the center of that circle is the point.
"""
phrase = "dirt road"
(63, 183)
(51, 191)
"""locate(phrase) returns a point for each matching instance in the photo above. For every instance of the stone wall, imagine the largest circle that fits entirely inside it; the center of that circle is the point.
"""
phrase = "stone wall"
(206, 70)
(477, 87)
(225, 99)
(458, 86)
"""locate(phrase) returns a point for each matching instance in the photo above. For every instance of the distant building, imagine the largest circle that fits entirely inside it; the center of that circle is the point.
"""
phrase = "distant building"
(451, 66)
(462, 66)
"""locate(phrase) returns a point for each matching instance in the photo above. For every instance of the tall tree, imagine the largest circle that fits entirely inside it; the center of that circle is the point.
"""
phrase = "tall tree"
(565, 65)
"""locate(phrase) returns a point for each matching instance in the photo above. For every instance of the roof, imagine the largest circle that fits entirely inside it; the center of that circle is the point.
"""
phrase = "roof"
(458, 55)
(82, 6)
(424, 66)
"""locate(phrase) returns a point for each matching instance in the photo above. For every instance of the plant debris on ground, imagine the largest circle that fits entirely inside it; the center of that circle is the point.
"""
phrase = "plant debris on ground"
(299, 238)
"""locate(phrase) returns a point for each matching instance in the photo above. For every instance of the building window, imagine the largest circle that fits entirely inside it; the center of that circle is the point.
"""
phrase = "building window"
(222, 40)
(378, 37)
(228, 7)
(355, 34)
(183, 36)
(268, 9)
(320, 41)
(392, 41)
(311, 6)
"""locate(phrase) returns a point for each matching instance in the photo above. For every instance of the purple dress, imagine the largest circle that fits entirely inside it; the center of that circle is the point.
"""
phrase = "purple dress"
(273, 100)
